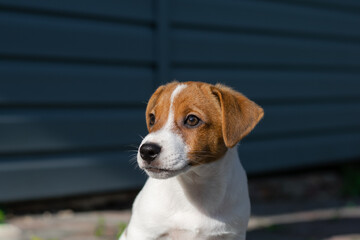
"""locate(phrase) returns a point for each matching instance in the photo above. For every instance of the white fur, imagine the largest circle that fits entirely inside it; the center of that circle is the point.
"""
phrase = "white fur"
(206, 202)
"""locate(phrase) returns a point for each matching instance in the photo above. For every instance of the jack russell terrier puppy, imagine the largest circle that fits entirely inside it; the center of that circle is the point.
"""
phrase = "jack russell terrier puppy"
(197, 187)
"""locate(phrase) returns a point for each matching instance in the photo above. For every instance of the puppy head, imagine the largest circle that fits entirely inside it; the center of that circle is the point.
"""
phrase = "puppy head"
(191, 124)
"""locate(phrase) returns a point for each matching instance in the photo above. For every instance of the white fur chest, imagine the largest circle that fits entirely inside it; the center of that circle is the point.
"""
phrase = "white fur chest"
(163, 210)
(172, 216)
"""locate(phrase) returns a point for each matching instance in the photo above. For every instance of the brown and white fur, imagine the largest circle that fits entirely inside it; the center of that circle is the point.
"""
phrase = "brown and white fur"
(197, 187)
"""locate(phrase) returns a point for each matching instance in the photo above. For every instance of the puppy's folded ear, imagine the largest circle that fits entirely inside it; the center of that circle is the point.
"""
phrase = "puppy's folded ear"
(239, 114)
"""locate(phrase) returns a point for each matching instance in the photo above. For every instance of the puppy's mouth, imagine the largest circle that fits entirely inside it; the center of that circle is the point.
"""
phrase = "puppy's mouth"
(158, 170)
(163, 173)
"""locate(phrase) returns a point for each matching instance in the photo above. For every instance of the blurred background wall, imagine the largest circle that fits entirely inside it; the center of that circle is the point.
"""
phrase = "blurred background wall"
(75, 76)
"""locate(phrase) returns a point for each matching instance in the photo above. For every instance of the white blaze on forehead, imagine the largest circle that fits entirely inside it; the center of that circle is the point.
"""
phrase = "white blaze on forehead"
(176, 91)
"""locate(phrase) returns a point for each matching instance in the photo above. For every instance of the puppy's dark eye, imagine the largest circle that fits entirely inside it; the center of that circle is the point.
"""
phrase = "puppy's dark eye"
(192, 121)
(151, 119)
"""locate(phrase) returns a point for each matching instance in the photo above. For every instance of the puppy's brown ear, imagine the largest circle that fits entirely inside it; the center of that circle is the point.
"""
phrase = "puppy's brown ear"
(239, 114)
(152, 102)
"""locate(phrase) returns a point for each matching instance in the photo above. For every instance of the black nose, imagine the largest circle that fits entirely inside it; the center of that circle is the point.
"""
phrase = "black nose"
(149, 151)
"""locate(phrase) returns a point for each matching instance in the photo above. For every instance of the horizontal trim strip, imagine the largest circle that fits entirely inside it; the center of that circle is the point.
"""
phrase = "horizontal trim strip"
(193, 47)
(267, 17)
(295, 121)
(138, 12)
(280, 86)
(78, 60)
(347, 6)
(68, 130)
(289, 34)
(59, 84)
(284, 154)
(51, 37)
(67, 175)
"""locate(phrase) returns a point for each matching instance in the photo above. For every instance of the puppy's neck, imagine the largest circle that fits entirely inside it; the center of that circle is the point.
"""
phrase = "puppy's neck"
(209, 186)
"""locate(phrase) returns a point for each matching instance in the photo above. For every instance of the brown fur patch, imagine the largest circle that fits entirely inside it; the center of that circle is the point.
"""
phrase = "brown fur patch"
(239, 114)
